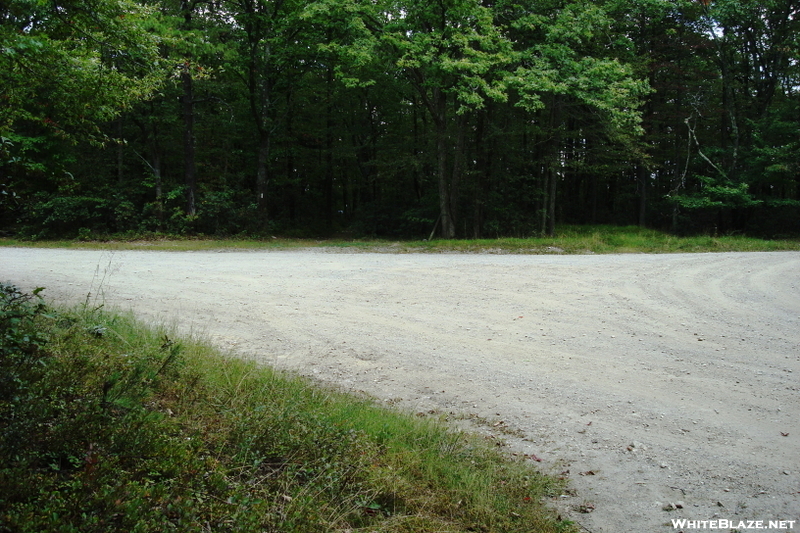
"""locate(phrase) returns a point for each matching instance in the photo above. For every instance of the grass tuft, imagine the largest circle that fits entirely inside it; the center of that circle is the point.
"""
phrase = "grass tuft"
(106, 424)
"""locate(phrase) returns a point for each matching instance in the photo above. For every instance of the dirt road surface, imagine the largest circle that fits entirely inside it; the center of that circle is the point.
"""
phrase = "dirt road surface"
(667, 386)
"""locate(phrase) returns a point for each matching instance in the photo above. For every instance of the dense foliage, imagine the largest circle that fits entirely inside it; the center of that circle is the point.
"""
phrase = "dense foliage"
(394, 118)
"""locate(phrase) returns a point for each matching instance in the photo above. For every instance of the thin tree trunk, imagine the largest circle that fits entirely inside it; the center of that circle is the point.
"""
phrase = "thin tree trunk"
(120, 153)
(190, 177)
(458, 170)
(415, 150)
(729, 103)
(290, 163)
(150, 139)
(482, 170)
(554, 163)
(155, 166)
(262, 177)
(448, 228)
(642, 179)
(329, 151)
(187, 109)
(552, 180)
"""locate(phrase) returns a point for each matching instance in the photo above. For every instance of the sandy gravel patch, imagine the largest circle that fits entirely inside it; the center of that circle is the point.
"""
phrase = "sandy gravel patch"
(652, 381)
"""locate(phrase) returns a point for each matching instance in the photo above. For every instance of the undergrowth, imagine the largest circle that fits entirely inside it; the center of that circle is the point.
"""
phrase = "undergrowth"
(597, 239)
(106, 425)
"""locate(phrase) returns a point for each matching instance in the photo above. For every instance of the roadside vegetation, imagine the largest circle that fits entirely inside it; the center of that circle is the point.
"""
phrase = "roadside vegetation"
(108, 425)
(567, 240)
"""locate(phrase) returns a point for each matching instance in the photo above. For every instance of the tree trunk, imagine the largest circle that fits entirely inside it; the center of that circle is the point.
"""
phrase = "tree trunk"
(150, 139)
(448, 227)
(729, 103)
(448, 230)
(155, 168)
(458, 170)
(189, 168)
(262, 172)
(552, 180)
(554, 164)
(481, 175)
(120, 153)
(290, 162)
(328, 192)
(642, 179)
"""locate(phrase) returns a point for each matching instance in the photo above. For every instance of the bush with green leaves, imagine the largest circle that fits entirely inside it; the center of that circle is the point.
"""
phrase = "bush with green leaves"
(68, 216)
(21, 341)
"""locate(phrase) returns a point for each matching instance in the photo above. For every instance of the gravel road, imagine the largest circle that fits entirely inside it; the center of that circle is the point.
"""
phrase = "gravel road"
(667, 386)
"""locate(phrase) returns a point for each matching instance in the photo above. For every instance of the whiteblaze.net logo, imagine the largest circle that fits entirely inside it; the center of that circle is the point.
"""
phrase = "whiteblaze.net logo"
(722, 523)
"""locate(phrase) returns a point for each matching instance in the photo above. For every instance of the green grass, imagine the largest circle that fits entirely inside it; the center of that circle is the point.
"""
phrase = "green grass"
(106, 424)
(568, 240)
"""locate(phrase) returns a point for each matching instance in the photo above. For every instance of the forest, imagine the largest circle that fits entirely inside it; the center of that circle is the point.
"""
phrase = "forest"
(398, 118)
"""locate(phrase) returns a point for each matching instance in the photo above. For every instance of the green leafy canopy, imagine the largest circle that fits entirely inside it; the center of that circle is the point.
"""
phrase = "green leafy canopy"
(68, 65)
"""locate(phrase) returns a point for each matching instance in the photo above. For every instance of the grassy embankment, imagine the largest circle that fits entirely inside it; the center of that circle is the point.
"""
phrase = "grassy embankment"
(568, 240)
(106, 425)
